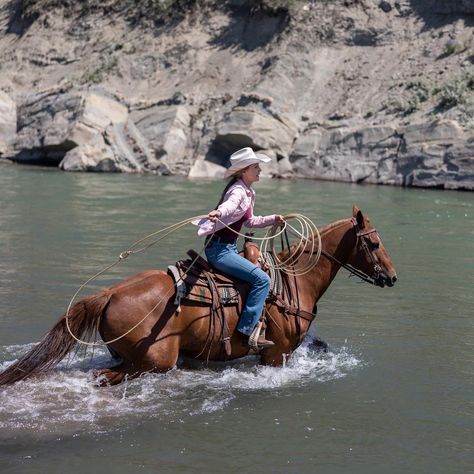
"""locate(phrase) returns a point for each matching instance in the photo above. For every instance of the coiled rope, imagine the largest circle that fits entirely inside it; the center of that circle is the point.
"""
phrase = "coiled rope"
(307, 229)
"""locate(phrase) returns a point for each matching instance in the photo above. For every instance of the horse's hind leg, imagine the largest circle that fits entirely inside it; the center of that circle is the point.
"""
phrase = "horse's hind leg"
(160, 357)
(115, 375)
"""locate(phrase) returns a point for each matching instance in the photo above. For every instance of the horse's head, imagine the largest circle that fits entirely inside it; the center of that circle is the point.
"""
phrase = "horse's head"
(369, 255)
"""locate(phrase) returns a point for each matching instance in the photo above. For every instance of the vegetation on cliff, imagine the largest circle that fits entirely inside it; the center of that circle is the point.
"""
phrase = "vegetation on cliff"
(154, 11)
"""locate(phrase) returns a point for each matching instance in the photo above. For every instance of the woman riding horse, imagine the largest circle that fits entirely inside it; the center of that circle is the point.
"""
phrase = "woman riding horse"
(138, 317)
(234, 210)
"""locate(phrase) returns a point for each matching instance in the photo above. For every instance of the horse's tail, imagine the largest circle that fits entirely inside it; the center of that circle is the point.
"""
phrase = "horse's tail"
(83, 319)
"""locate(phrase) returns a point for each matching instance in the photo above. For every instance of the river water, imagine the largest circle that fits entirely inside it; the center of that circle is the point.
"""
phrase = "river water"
(394, 394)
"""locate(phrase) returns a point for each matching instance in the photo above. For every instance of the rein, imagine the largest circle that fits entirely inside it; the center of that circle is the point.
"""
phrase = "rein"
(350, 268)
(354, 271)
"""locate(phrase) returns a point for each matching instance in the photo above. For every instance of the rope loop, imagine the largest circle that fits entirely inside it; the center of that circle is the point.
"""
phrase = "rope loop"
(307, 234)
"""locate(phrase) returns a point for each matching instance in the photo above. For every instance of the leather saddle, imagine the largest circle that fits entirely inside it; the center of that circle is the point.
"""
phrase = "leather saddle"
(198, 282)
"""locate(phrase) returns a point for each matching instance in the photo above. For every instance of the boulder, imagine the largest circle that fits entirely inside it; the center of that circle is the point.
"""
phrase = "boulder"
(166, 129)
(82, 132)
(118, 148)
(206, 169)
(50, 125)
(99, 112)
(89, 158)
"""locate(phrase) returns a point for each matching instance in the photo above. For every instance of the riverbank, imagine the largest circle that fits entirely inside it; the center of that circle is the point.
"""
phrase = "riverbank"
(356, 91)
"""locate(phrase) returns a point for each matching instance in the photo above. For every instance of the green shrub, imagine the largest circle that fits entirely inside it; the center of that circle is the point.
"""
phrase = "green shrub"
(451, 46)
(456, 45)
(275, 6)
(401, 105)
(107, 63)
(456, 91)
(420, 89)
(410, 99)
(92, 76)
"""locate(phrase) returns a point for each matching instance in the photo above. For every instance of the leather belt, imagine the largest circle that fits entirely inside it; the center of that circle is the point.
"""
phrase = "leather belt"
(221, 240)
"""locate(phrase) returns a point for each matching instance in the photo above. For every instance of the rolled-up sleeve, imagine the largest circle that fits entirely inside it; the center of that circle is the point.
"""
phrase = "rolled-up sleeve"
(260, 221)
(231, 202)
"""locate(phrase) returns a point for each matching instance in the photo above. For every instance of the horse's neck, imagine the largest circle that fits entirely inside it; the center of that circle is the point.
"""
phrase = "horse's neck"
(337, 240)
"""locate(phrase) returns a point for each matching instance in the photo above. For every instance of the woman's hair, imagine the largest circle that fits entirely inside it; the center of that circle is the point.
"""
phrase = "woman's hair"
(236, 176)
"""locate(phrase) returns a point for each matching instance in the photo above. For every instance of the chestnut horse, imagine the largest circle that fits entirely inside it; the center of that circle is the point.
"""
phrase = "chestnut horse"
(156, 343)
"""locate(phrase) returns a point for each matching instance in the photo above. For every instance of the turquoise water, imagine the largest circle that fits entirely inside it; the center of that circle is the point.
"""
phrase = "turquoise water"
(394, 394)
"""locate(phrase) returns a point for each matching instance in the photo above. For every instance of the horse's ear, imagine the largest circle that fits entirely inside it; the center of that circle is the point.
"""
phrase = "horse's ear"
(357, 213)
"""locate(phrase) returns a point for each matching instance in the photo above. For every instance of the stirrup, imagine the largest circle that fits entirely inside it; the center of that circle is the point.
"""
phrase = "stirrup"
(255, 342)
(253, 338)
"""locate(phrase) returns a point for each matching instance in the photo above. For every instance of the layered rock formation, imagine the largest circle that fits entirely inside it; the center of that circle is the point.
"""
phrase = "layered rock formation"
(357, 91)
(436, 154)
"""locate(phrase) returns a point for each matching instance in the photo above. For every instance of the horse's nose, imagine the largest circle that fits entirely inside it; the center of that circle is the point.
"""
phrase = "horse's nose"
(393, 279)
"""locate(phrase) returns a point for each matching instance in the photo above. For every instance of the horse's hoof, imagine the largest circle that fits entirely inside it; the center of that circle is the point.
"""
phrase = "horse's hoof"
(319, 345)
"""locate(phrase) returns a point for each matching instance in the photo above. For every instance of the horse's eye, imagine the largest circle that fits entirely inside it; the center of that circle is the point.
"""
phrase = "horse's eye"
(374, 245)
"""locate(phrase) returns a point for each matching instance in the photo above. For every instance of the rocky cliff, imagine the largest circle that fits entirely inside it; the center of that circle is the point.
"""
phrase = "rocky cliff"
(378, 91)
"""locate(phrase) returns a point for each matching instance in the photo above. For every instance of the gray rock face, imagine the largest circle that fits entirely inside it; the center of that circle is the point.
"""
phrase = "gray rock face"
(438, 154)
(250, 127)
(80, 132)
(7, 122)
(90, 132)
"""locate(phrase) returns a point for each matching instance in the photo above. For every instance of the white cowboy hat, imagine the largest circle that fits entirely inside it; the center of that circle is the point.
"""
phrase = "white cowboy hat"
(243, 158)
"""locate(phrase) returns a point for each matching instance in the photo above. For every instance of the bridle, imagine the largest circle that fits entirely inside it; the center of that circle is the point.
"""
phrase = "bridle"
(360, 240)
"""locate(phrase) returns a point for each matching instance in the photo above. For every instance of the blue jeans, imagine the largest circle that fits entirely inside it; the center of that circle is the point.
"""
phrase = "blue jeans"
(225, 258)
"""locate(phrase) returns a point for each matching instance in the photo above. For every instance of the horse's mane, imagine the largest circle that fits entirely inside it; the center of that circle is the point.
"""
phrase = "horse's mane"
(285, 254)
(324, 230)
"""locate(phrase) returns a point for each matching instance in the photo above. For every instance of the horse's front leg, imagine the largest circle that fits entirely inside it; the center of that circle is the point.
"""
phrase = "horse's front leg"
(279, 354)
(274, 356)
(318, 345)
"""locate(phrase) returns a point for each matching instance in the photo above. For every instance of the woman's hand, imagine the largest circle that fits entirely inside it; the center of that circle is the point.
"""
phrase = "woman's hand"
(213, 216)
(279, 219)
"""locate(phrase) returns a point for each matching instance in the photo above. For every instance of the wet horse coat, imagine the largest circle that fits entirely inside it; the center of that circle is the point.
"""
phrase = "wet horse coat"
(156, 343)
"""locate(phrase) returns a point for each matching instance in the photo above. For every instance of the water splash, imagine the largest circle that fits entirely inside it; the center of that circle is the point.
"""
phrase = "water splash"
(66, 399)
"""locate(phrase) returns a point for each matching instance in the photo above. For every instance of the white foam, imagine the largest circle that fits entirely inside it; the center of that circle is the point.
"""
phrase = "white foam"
(66, 399)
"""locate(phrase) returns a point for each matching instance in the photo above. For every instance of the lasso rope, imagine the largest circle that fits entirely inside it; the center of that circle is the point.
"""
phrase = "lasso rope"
(306, 228)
